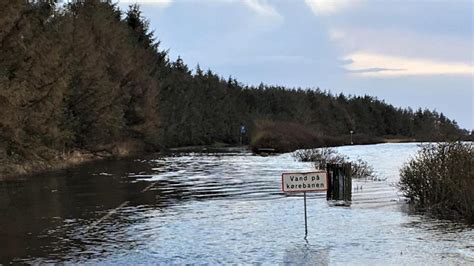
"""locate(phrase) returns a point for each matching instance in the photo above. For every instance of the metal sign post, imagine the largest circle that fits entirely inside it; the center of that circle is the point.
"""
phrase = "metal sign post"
(304, 182)
(305, 217)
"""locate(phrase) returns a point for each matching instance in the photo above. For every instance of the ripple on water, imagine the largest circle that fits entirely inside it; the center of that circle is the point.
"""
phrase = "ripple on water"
(224, 208)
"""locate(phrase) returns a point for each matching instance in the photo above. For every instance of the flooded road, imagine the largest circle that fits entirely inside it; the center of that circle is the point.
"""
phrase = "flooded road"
(219, 207)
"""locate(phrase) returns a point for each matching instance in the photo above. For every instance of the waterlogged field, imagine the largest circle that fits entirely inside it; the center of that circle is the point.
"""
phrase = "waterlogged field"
(219, 207)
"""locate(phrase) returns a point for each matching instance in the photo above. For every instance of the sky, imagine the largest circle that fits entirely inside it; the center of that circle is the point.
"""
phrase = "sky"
(408, 53)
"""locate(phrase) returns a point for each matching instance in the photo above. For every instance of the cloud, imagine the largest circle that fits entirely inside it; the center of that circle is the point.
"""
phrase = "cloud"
(375, 69)
(379, 65)
(262, 8)
(336, 35)
(405, 43)
(327, 7)
(160, 3)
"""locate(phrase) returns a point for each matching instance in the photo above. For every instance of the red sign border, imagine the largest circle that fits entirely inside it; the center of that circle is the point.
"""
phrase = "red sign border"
(305, 173)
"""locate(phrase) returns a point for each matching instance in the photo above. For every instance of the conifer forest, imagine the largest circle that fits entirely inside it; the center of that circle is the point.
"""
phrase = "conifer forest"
(86, 76)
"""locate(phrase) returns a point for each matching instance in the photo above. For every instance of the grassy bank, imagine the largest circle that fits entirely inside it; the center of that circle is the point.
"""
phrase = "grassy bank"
(32, 163)
(440, 180)
(282, 136)
(290, 136)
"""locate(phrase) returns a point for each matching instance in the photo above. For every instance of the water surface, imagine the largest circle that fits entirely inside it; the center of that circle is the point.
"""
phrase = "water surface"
(219, 207)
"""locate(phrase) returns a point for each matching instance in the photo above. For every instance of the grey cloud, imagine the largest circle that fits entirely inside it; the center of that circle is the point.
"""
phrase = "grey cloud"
(374, 69)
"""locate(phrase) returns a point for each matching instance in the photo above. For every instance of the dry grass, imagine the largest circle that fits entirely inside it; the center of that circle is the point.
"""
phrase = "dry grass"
(282, 136)
(322, 156)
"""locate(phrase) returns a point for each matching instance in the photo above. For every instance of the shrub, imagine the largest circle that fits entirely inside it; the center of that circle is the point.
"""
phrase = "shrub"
(440, 180)
(322, 156)
(361, 169)
(282, 136)
(285, 136)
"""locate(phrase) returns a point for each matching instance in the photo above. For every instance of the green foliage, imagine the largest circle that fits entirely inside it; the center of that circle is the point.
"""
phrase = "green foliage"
(440, 179)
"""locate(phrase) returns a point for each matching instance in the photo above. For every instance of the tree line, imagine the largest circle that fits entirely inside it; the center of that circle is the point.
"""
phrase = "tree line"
(87, 76)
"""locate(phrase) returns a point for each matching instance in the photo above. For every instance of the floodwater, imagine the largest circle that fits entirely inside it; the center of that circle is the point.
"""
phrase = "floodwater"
(219, 208)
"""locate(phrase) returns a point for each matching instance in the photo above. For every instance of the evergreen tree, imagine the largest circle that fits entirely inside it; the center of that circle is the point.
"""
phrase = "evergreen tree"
(83, 76)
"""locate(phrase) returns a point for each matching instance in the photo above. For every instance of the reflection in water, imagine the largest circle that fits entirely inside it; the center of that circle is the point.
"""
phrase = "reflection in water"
(306, 254)
(218, 208)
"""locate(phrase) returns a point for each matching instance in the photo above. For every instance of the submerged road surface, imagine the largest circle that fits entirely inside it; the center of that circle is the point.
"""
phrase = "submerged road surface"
(221, 207)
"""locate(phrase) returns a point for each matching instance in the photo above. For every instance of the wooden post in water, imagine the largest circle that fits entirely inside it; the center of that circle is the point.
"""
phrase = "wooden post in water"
(340, 182)
(348, 184)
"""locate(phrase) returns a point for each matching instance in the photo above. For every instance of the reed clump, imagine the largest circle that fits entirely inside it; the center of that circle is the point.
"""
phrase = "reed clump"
(440, 180)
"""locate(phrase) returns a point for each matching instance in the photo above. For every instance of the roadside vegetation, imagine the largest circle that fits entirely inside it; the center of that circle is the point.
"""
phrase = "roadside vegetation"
(85, 77)
(440, 180)
(322, 156)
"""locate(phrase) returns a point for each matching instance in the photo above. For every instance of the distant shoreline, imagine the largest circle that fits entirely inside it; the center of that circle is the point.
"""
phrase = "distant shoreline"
(15, 170)
(399, 140)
